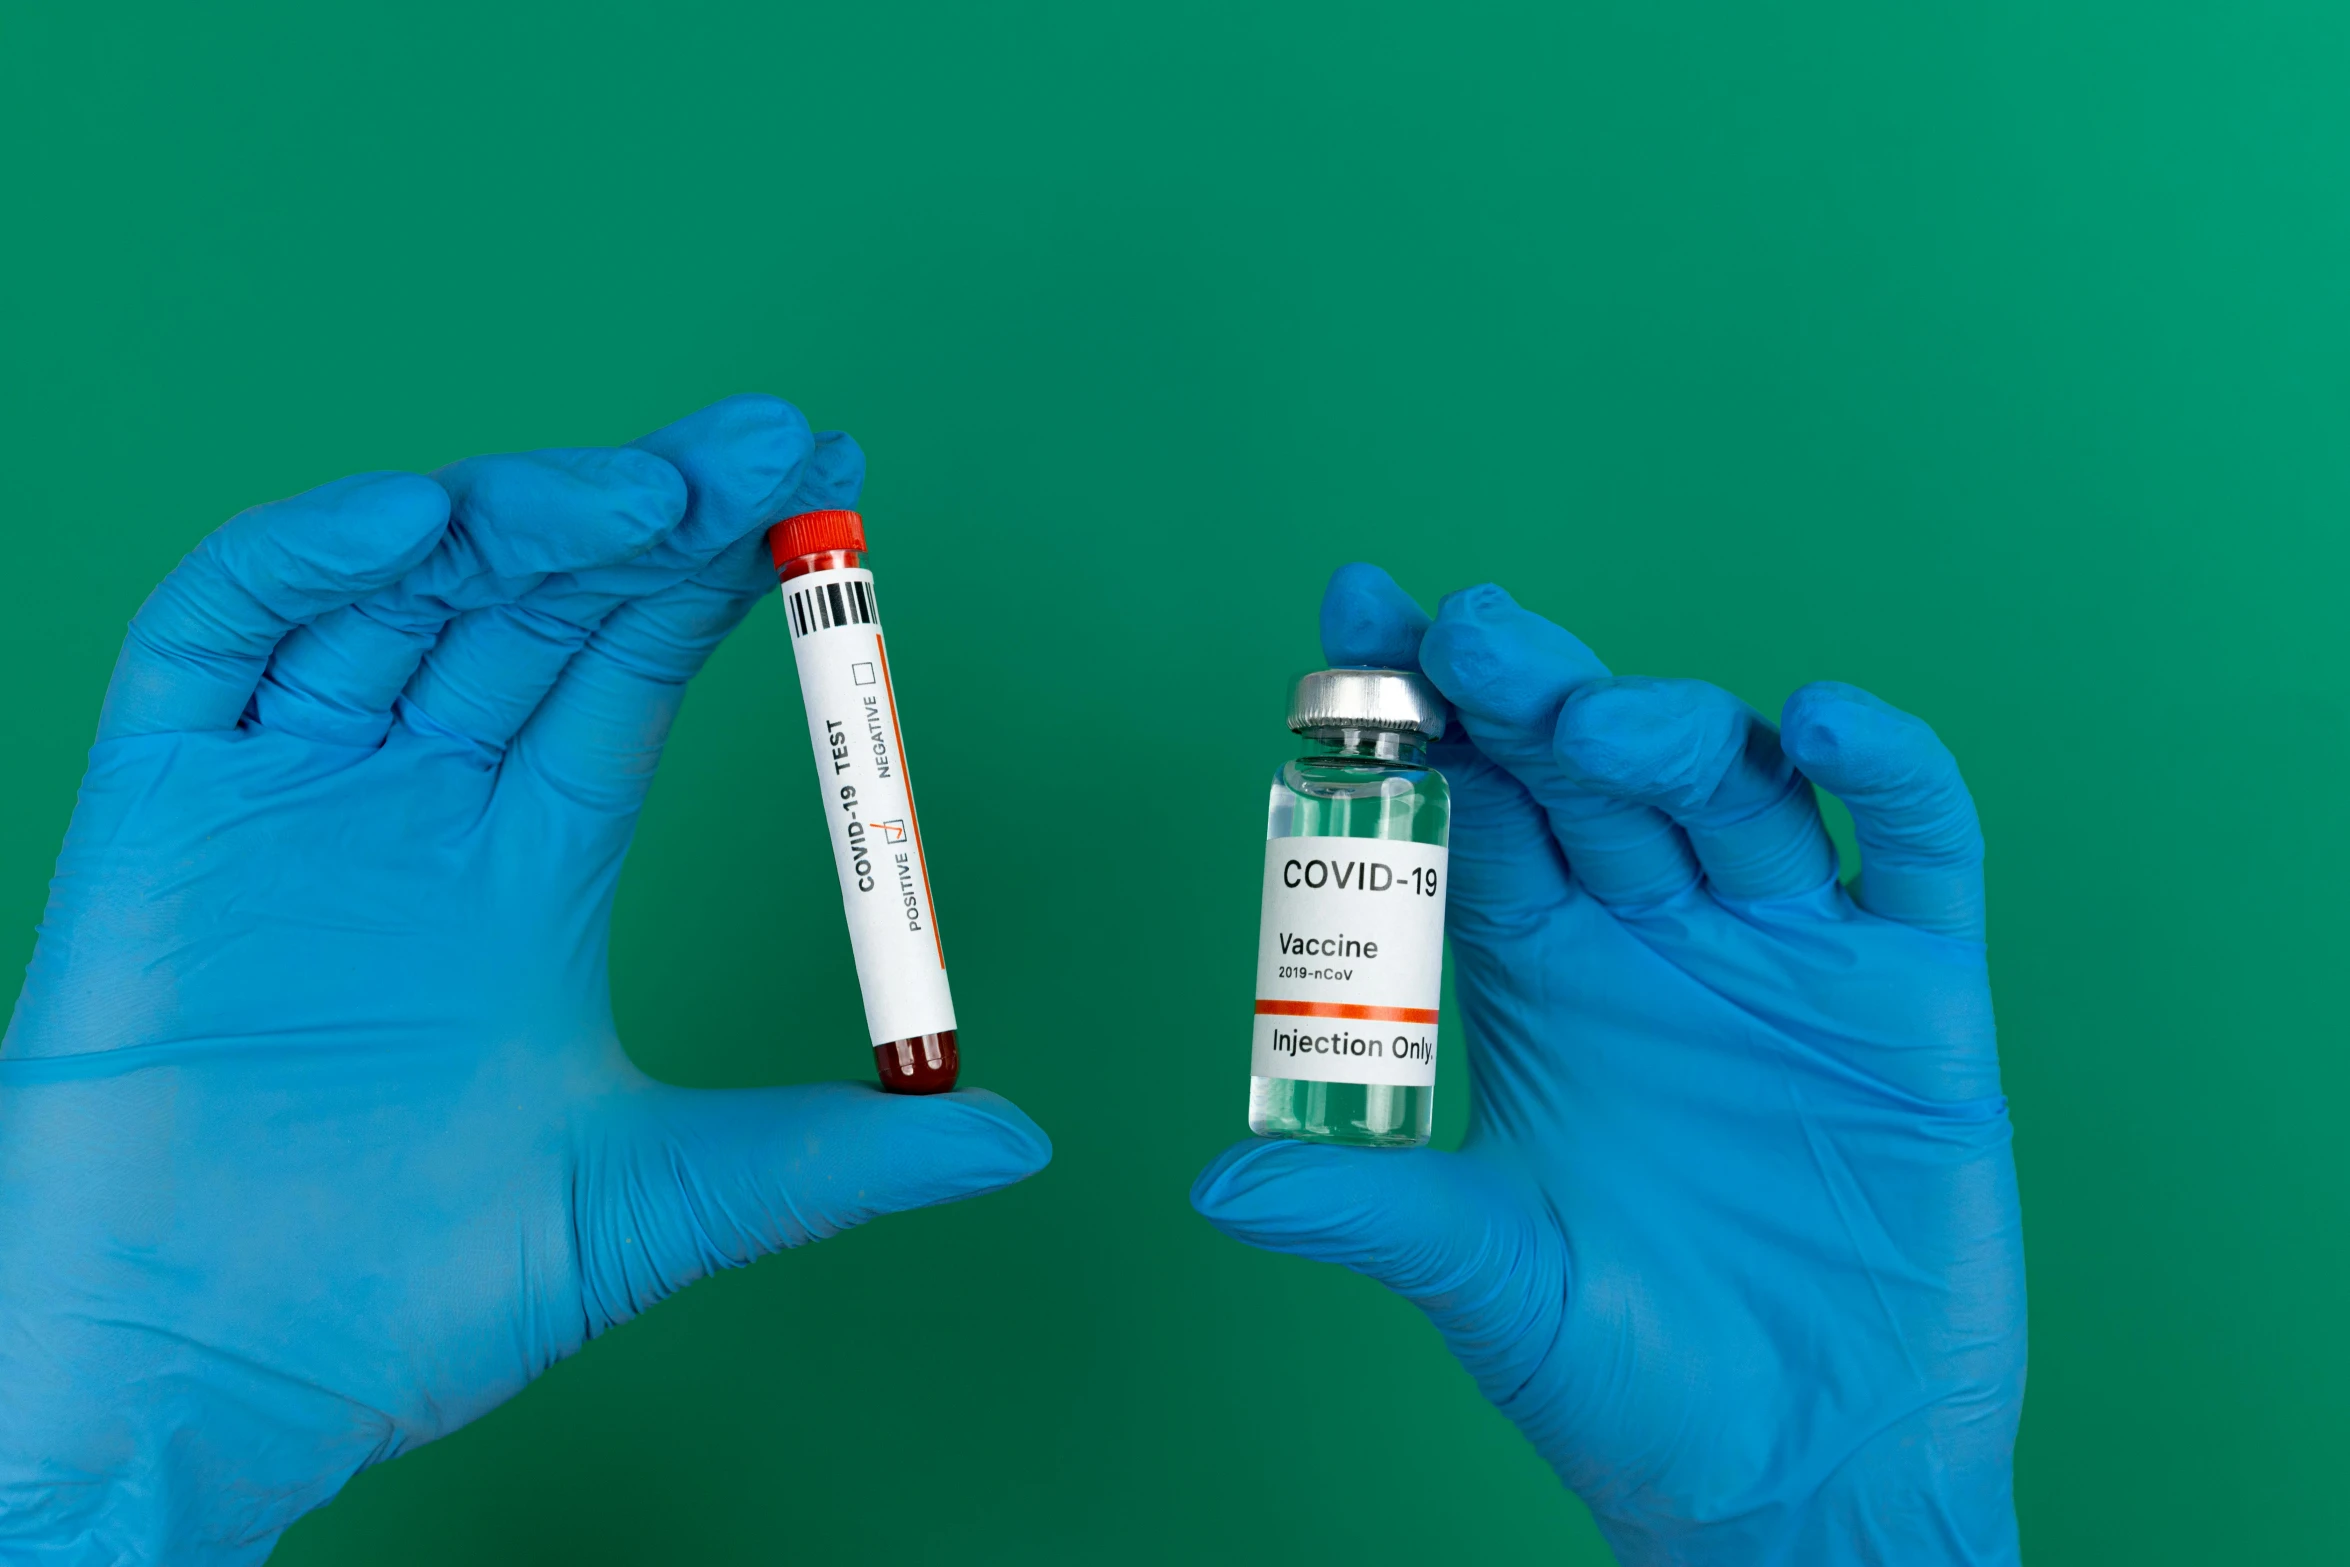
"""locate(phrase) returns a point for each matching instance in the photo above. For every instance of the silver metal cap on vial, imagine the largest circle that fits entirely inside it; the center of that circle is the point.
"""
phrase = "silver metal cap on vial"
(1366, 699)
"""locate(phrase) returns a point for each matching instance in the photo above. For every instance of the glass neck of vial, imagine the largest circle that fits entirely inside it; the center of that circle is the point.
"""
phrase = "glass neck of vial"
(821, 560)
(1370, 745)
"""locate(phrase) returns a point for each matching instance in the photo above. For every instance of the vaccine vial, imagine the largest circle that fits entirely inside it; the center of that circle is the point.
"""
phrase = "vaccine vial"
(1350, 945)
(868, 802)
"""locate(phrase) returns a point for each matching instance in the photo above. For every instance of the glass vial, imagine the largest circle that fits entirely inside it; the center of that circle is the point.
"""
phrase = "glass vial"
(1350, 946)
(868, 802)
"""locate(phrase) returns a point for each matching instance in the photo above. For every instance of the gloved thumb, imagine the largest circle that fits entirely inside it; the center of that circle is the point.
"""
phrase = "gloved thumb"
(681, 1182)
(1456, 1234)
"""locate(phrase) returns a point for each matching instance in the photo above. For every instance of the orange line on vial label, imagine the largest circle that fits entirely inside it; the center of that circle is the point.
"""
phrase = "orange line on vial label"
(889, 694)
(1346, 1010)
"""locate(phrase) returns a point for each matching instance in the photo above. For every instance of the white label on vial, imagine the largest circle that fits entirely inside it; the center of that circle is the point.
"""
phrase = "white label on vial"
(868, 805)
(1350, 961)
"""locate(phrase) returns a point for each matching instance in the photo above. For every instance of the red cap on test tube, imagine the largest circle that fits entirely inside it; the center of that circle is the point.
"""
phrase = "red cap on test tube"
(813, 533)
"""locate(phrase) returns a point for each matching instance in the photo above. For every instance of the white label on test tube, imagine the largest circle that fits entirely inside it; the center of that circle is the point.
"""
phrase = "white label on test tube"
(868, 804)
(1350, 961)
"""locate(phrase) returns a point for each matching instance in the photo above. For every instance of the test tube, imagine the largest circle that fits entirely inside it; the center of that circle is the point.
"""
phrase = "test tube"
(868, 801)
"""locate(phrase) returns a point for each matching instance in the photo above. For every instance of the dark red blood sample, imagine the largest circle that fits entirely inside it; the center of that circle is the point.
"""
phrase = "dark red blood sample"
(924, 1064)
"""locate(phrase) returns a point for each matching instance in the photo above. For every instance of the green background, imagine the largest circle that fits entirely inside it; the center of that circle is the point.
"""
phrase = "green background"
(1994, 357)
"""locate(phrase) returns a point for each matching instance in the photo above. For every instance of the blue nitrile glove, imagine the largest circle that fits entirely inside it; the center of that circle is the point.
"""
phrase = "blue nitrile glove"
(316, 1140)
(1733, 1236)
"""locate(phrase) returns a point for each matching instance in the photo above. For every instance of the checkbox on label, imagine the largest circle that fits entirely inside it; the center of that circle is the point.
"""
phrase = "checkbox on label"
(862, 674)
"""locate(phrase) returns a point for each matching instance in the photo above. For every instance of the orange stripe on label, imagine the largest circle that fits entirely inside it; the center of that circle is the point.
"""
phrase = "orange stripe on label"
(889, 692)
(1346, 1010)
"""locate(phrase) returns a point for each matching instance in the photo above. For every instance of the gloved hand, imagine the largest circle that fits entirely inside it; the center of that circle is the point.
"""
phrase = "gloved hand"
(1733, 1236)
(316, 1139)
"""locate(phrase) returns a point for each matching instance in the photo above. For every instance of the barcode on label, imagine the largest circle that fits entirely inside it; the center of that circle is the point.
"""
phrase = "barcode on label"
(829, 604)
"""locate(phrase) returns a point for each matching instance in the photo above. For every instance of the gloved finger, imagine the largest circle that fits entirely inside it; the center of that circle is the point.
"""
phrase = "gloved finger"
(1508, 673)
(1452, 1233)
(1709, 762)
(1505, 865)
(681, 1182)
(598, 737)
(514, 520)
(741, 460)
(199, 645)
(1370, 622)
(1921, 848)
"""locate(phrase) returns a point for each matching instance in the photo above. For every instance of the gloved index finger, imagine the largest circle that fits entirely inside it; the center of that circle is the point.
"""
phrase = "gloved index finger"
(1505, 864)
(598, 735)
(517, 518)
(1508, 672)
(742, 458)
(743, 462)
